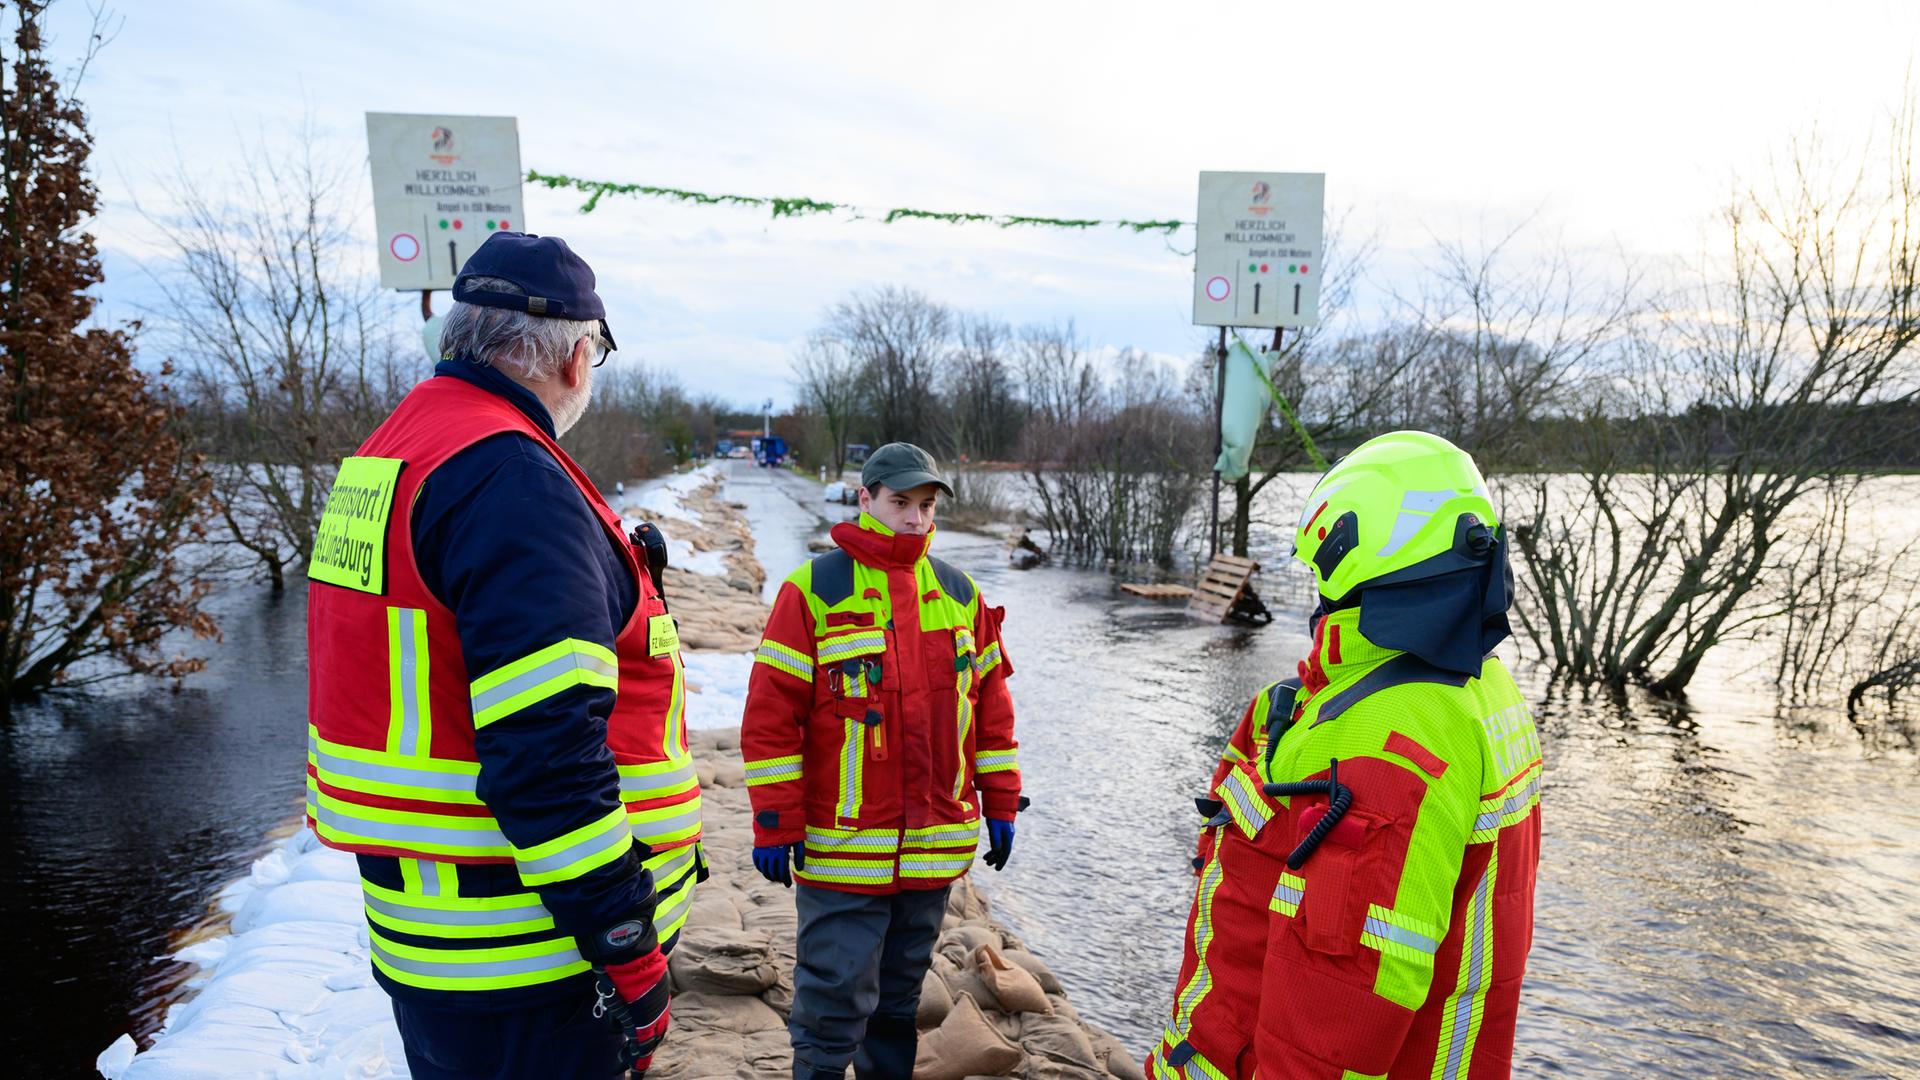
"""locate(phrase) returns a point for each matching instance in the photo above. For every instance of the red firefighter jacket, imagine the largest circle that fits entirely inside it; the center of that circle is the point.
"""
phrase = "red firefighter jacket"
(1397, 948)
(878, 726)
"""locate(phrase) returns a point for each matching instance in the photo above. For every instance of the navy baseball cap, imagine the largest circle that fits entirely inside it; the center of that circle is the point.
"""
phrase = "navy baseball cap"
(558, 283)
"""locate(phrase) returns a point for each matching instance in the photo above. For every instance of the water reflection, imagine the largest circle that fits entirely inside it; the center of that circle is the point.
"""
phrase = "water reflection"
(121, 813)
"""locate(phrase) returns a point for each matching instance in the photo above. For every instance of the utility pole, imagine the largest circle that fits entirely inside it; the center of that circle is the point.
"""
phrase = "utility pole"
(1219, 409)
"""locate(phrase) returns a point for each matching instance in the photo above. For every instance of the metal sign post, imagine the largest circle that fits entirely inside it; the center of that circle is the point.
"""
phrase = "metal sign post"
(1256, 263)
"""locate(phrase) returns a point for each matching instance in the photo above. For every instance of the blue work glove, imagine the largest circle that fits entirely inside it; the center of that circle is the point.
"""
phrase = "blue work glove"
(772, 862)
(999, 843)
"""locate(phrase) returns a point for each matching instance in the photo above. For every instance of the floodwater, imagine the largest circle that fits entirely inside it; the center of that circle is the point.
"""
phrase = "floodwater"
(121, 813)
(1724, 892)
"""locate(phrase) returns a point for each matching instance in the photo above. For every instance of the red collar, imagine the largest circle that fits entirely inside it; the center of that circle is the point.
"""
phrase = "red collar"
(882, 551)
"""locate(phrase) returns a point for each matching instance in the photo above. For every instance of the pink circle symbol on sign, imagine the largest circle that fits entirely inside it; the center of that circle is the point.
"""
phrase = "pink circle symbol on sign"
(404, 247)
(1218, 289)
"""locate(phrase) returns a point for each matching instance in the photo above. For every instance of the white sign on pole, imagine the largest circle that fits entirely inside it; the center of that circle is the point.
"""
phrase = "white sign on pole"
(1257, 262)
(440, 185)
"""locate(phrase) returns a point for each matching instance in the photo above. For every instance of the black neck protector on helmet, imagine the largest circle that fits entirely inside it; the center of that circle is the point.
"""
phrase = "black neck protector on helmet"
(1451, 620)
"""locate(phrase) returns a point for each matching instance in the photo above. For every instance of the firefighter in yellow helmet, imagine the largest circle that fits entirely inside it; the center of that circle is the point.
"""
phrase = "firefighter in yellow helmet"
(1366, 875)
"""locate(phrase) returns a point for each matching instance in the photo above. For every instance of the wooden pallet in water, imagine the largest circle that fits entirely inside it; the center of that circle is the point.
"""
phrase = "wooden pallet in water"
(1156, 592)
(1225, 579)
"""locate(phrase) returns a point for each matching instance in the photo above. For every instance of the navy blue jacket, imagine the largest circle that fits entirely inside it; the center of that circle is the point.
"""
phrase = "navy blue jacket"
(504, 539)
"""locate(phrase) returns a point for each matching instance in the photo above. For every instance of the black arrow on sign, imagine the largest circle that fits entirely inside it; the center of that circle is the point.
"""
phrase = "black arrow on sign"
(1296, 298)
(1256, 298)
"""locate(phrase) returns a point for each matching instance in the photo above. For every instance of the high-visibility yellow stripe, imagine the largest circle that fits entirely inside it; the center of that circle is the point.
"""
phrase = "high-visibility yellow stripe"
(666, 826)
(532, 679)
(1287, 894)
(1460, 1017)
(847, 871)
(993, 761)
(1508, 808)
(1189, 996)
(657, 779)
(429, 834)
(380, 772)
(853, 760)
(1244, 803)
(934, 864)
(773, 770)
(832, 650)
(791, 661)
(963, 721)
(579, 851)
(861, 841)
(988, 660)
(409, 723)
(455, 917)
(497, 968)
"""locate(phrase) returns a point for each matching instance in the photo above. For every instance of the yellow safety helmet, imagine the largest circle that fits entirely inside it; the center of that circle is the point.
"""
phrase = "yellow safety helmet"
(1401, 507)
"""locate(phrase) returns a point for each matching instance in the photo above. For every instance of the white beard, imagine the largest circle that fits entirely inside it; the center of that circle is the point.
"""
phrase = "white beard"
(570, 411)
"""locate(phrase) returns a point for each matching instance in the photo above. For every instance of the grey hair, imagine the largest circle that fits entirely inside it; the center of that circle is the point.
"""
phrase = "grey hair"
(531, 347)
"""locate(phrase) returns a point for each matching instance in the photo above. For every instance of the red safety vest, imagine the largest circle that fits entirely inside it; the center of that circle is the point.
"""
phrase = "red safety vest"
(391, 768)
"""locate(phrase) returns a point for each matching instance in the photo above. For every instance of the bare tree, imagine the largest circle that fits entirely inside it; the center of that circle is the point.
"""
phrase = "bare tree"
(828, 377)
(1719, 419)
(984, 410)
(897, 335)
(289, 345)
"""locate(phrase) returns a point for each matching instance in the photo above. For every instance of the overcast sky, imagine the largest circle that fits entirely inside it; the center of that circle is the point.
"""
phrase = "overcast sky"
(1610, 125)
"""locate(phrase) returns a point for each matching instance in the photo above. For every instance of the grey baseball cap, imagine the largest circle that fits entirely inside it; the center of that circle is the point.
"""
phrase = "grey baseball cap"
(902, 467)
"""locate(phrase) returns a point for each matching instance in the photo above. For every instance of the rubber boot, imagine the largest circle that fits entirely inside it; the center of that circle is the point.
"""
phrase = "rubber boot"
(887, 1052)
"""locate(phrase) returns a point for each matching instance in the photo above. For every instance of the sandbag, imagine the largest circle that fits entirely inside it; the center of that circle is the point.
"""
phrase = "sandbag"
(966, 1044)
(1120, 1061)
(1041, 973)
(1013, 987)
(936, 1001)
(718, 961)
(958, 943)
(1060, 1040)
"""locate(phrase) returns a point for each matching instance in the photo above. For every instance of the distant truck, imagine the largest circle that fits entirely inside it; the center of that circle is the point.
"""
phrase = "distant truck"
(770, 451)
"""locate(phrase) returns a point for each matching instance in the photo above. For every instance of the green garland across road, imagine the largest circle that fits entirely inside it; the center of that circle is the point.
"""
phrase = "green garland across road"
(780, 208)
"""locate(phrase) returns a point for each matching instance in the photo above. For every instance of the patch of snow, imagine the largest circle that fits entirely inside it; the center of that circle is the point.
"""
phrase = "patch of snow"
(722, 679)
(113, 1061)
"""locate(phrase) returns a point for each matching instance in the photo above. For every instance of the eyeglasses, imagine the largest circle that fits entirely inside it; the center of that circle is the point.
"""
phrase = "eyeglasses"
(606, 350)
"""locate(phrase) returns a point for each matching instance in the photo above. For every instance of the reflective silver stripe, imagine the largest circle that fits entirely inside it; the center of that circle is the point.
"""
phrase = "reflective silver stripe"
(465, 839)
(611, 833)
(672, 906)
(780, 770)
(1243, 800)
(1463, 1012)
(644, 827)
(877, 871)
(1380, 928)
(444, 917)
(826, 841)
(559, 665)
(665, 867)
(852, 752)
(429, 877)
(910, 863)
(398, 775)
(481, 969)
(1491, 819)
(409, 688)
(645, 784)
(1287, 894)
(842, 648)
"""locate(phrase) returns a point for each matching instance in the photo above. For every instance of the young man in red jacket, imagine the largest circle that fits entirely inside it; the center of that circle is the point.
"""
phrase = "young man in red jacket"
(878, 732)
